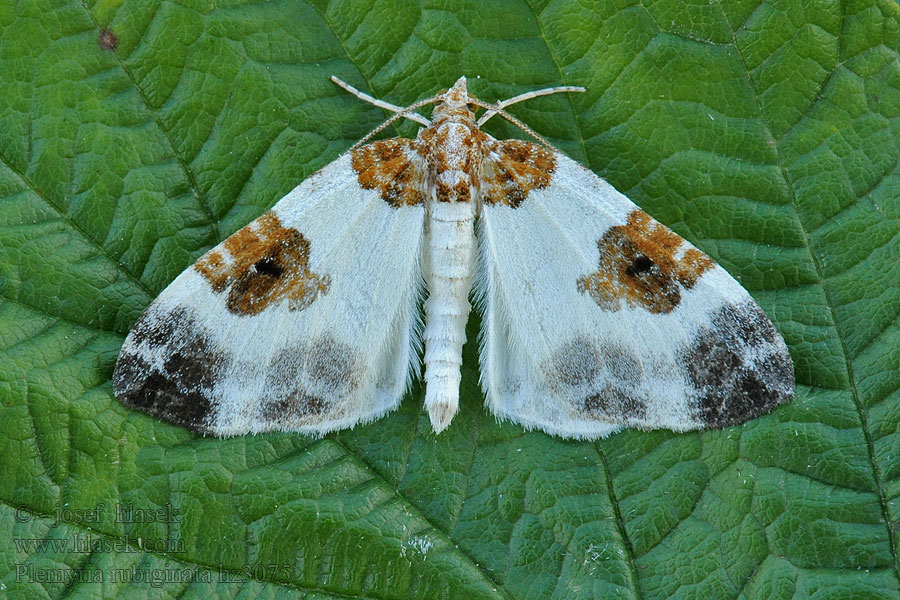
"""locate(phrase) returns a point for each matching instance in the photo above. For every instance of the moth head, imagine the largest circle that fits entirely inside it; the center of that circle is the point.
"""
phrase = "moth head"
(454, 104)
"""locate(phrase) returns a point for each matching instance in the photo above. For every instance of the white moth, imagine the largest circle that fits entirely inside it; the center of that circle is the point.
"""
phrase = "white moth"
(595, 316)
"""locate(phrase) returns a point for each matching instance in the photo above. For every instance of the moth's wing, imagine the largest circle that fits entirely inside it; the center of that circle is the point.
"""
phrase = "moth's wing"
(302, 321)
(597, 317)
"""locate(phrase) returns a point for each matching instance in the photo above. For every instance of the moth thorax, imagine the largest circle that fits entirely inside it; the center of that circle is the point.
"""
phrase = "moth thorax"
(455, 146)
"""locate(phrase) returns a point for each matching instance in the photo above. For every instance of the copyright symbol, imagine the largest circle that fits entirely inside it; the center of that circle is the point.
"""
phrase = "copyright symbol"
(21, 514)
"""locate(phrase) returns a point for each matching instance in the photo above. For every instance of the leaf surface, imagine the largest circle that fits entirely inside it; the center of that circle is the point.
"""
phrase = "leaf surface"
(135, 135)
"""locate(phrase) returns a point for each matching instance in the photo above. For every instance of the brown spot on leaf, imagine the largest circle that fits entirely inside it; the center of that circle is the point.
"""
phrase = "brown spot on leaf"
(268, 263)
(392, 167)
(107, 39)
(513, 168)
(639, 264)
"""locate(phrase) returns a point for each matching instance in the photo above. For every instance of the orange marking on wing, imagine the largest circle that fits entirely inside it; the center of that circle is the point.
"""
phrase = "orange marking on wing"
(522, 166)
(638, 264)
(386, 166)
(210, 266)
(269, 263)
(443, 192)
(462, 191)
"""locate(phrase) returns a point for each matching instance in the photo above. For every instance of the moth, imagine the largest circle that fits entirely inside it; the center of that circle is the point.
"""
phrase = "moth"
(594, 315)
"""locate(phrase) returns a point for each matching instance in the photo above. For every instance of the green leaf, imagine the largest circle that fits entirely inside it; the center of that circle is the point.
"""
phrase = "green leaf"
(136, 134)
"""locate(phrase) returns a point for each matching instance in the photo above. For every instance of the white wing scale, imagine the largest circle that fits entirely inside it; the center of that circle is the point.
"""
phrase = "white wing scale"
(343, 355)
(595, 316)
(552, 358)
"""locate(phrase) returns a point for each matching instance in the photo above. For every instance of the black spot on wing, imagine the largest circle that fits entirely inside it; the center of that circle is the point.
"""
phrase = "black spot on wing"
(180, 389)
(739, 366)
(640, 265)
(269, 266)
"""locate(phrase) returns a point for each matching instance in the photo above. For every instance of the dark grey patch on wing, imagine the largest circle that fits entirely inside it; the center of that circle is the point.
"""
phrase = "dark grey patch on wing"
(297, 404)
(576, 363)
(608, 378)
(181, 390)
(303, 381)
(739, 366)
(623, 366)
(154, 330)
(612, 401)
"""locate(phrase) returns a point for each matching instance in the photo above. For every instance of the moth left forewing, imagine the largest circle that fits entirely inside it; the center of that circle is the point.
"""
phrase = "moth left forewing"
(301, 321)
(596, 316)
